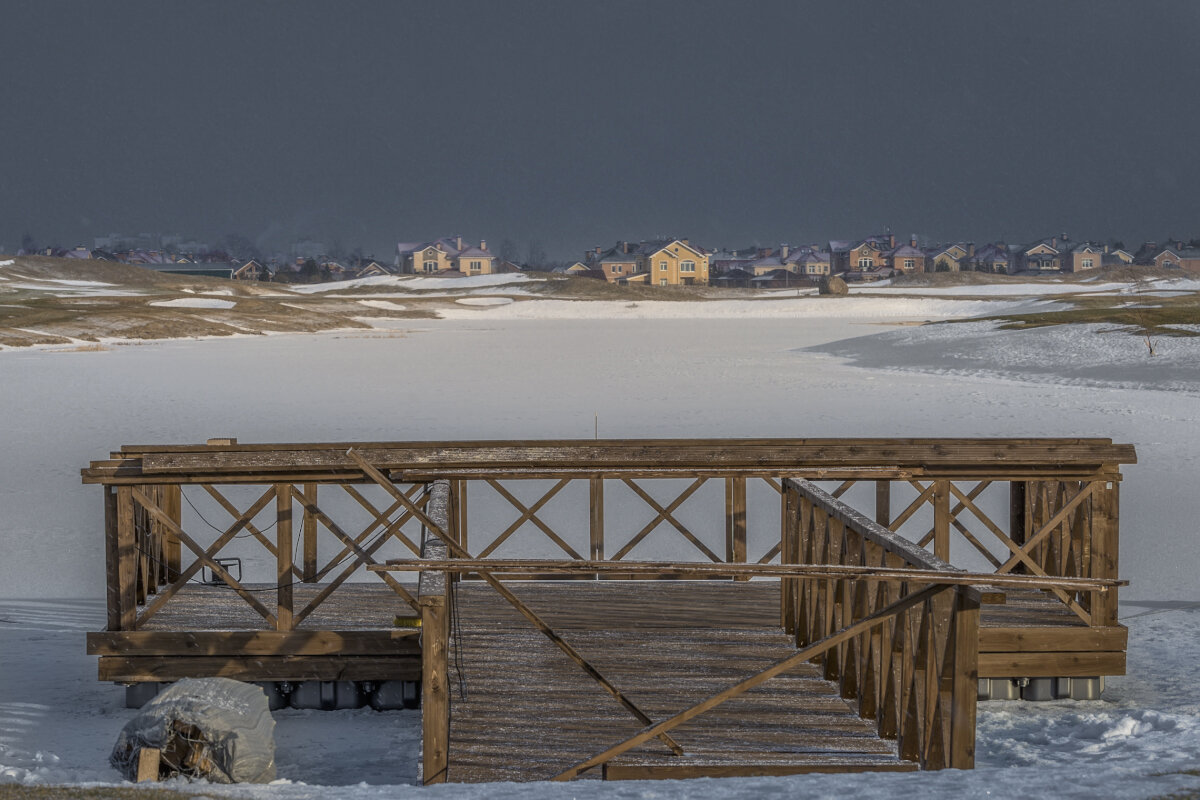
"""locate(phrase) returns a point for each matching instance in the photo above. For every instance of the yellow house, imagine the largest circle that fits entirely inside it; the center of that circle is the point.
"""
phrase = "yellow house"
(672, 262)
(426, 258)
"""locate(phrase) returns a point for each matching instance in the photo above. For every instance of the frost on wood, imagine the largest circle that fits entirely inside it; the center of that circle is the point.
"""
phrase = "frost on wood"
(212, 728)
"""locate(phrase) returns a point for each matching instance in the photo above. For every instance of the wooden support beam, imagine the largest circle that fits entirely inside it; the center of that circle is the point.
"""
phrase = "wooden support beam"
(596, 518)
(309, 532)
(435, 690)
(112, 565)
(883, 502)
(735, 520)
(941, 519)
(127, 557)
(283, 556)
(1105, 551)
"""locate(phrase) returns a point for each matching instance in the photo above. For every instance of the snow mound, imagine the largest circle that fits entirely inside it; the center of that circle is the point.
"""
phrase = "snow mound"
(194, 302)
(385, 305)
(484, 301)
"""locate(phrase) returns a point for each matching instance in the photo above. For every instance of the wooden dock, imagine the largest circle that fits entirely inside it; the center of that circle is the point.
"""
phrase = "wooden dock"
(843, 641)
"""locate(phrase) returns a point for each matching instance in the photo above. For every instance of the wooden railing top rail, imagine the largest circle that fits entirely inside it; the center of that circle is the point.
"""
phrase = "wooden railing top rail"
(892, 542)
(653, 456)
(948, 576)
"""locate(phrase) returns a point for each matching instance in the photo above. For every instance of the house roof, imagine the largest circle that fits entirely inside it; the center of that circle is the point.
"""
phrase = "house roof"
(906, 250)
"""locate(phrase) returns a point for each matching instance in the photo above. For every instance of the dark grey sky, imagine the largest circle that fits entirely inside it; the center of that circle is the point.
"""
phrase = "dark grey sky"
(580, 123)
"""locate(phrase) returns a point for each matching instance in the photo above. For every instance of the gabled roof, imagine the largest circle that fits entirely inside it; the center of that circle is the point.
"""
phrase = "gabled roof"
(906, 250)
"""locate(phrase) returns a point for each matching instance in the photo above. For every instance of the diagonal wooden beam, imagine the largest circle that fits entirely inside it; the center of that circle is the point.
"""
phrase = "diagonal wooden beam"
(528, 514)
(925, 496)
(381, 518)
(845, 487)
(202, 556)
(456, 550)
(644, 532)
(665, 515)
(263, 539)
(363, 557)
(1053, 523)
(241, 521)
(757, 679)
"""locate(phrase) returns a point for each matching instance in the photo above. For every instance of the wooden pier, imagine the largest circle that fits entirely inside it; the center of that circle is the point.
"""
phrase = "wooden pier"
(803, 635)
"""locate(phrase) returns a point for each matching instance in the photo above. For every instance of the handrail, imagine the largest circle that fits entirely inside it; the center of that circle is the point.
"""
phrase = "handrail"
(911, 552)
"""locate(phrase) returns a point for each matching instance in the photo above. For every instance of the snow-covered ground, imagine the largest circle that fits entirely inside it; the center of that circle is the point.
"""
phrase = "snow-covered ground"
(488, 373)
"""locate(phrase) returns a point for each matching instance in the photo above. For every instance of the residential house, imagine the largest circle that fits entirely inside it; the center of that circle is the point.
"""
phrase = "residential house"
(862, 256)
(1043, 255)
(813, 263)
(1081, 257)
(251, 271)
(661, 262)
(950, 258)
(907, 258)
(734, 278)
(1175, 257)
(372, 269)
(1116, 257)
(993, 257)
(441, 255)
(617, 263)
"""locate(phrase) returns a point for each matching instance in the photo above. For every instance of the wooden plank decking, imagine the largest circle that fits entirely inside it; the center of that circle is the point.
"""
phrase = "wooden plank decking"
(1031, 634)
(530, 713)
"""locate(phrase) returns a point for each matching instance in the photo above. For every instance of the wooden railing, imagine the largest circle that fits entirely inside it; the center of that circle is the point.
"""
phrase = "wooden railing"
(915, 674)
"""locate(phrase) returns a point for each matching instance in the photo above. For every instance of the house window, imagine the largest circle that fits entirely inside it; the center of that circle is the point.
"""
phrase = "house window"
(662, 265)
(687, 266)
(865, 262)
(1087, 263)
(662, 281)
(430, 266)
(910, 263)
(476, 266)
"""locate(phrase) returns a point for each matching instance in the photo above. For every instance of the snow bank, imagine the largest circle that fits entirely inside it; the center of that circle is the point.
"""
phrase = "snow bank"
(484, 301)
(1093, 354)
(386, 305)
(414, 283)
(194, 302)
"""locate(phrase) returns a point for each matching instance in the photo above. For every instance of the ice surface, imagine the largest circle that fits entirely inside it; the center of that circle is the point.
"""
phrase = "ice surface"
(731, 374)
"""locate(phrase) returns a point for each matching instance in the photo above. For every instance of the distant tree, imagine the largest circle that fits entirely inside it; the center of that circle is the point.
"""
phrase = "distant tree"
(535, 256)
(28, 245)
(310, 271)
(1193, 243)
(1116, 244)
(509, 251)
(239, 246)
(942, 265)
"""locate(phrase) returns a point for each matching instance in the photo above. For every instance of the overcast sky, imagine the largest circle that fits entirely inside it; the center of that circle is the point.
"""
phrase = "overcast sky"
(575, 124)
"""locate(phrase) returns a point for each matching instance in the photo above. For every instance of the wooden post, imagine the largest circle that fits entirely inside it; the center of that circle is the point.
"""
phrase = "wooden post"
(309, 532)
(112, 576)
(1105, 551)
(173, 548)
(283, 560)
(883, 502)
(147, 764)
(735, 521)
(789, 553)
(1018, 520)
(596, 527)
(941, 519)
(965, 681)
(126, 559)
(435, 689)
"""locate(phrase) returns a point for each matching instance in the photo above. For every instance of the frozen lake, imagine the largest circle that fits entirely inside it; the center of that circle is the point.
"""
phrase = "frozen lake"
(488, 376)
